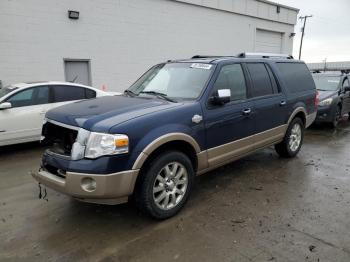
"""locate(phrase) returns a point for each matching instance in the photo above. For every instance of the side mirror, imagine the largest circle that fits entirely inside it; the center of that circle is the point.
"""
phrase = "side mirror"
(223, 96)
(346, 89)
(5, 105)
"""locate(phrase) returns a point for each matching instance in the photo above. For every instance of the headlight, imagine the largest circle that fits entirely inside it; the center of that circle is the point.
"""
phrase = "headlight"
(100, 144)
(326, 102)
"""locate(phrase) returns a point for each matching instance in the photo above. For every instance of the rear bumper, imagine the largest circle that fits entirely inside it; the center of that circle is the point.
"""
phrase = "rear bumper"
(325, 114)
(108, 189)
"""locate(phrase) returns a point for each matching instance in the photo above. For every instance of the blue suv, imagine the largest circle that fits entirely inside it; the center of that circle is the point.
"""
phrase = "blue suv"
(180, 119)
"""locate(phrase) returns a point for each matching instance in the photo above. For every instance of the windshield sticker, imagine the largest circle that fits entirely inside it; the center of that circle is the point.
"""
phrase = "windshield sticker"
(201, 66)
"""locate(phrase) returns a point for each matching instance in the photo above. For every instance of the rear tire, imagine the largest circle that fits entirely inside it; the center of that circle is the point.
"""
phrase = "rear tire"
(165, 185)
(293, 140)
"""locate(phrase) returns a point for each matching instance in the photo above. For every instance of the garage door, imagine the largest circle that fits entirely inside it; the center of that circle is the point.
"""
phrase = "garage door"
(268, 41)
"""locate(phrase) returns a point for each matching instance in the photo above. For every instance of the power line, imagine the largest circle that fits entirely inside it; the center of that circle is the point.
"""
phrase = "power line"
(303, 31)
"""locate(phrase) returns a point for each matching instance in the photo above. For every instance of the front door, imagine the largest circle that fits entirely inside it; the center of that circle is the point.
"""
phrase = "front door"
(229, 125)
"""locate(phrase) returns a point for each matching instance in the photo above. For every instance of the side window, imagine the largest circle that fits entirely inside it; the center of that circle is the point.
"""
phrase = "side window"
(67, 93)
(346, 82)
(296, 76)
(232, 77)
(89, 93)
(22, 98)
(260, 79)
(41, 95)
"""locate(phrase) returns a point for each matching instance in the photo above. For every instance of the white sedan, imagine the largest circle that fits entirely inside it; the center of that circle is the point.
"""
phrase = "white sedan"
(23, 107)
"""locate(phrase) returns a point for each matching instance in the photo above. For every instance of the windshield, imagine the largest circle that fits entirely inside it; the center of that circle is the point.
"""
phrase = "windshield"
(326, 83)
(174, 80)
(5, 90)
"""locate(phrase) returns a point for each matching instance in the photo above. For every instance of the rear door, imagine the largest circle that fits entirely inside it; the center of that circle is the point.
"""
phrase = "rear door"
(23, 121)
(269, 102)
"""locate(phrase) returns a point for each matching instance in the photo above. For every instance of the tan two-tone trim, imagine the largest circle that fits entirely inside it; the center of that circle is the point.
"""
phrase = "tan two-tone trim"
(223, 154)
(309, 118)
(161, 141)
(226, 153)
(110, 188)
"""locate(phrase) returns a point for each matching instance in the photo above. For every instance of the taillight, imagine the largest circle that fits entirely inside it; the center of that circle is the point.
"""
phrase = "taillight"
(316, 99)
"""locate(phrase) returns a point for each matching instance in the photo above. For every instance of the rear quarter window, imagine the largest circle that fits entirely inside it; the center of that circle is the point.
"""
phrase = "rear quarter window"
(63, 93)
(89, 93)
(296, 76)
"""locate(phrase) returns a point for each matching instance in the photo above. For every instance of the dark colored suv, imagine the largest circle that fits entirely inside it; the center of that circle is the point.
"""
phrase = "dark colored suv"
(334, 96)
(180, 119)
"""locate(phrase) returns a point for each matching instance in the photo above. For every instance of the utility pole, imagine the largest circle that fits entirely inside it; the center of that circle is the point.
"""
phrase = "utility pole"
(303, 32)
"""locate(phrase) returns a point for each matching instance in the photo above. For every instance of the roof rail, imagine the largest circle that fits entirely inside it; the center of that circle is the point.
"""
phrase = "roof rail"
(264, 55)
(208, 56)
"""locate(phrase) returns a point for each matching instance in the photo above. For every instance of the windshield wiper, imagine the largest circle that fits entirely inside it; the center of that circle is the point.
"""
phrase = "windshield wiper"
(129, 92)
(158, 94)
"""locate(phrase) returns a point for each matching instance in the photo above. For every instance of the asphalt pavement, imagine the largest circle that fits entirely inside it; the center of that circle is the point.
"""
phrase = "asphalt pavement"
(260, 208)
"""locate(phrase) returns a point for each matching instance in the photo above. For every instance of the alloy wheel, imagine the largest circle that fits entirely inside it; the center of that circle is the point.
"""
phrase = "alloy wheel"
(170, 186)
(295, 137)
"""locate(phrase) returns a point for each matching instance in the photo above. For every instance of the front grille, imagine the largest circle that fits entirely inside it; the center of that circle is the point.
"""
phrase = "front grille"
(60, 139)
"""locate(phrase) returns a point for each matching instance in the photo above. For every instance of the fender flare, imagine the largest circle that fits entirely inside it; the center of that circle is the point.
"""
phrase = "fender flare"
(155, 144)
(295, 112)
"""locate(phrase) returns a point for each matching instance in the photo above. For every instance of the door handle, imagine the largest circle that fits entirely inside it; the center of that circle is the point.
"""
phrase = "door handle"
(246, 111)
(283, 103)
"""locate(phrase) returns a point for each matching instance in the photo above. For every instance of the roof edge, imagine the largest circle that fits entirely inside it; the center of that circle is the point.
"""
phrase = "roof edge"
(246, 14)
(281, 5)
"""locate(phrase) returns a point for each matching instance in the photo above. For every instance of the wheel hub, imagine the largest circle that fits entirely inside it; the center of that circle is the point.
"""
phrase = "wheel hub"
(170, 185)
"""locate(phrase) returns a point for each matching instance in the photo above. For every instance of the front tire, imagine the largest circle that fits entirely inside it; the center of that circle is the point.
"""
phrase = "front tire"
(291, 144)
(165, 185)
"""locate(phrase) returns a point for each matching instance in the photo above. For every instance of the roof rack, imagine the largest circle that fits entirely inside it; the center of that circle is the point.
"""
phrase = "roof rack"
(209, 56)
(264, 55)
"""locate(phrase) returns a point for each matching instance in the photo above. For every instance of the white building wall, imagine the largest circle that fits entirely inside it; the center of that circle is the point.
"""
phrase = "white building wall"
(123, 38)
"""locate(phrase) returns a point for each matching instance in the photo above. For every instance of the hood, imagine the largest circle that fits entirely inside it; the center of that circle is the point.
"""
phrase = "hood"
(100, 114)
(322, 95)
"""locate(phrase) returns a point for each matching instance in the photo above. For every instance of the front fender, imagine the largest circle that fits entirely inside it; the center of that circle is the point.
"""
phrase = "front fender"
(159, 136)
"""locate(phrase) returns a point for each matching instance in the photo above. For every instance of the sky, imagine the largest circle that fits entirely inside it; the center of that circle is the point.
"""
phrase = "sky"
(327, 33)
